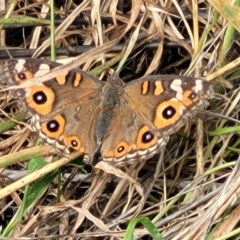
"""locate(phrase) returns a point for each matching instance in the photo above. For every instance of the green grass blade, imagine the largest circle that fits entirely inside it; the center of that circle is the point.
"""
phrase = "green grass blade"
(153, 231)
(32, 193)
(225, 130)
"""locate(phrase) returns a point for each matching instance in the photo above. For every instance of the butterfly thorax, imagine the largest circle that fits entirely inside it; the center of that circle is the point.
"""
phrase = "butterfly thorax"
(109, 101)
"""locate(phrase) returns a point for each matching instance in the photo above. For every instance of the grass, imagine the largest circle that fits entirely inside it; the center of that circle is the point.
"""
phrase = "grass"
(191, 190)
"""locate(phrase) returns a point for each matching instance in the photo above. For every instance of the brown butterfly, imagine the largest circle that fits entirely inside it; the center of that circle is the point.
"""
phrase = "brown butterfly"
(121, 122)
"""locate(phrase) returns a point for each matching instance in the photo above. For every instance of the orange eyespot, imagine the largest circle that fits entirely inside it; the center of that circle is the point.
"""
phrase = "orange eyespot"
(23, 76)
(168, 113)
(145, 138)
(74, 142)
(120, 150)
(190, 97)
(40, 98)
(55, 127)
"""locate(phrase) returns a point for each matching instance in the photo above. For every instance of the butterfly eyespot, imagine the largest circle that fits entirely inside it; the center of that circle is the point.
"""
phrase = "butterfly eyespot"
(192, 95)
(120, 149)
(40, 97)
(74, 143)
(22, 76)
(147, 137)
(53, 125)
(169, 112)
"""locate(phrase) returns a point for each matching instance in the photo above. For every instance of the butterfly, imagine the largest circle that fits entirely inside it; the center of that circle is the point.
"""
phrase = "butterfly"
(120, 122)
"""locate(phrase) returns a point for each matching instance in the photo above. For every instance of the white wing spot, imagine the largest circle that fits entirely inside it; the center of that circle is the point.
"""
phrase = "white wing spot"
(176, 85)
(43, 69)
(19, 65)
(199, 86)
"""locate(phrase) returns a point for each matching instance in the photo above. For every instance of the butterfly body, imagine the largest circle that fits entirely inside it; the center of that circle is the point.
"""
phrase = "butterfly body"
(109, 101)
(120, 122)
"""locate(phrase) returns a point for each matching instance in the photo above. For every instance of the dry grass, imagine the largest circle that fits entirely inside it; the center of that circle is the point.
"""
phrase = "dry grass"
(192, 190)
